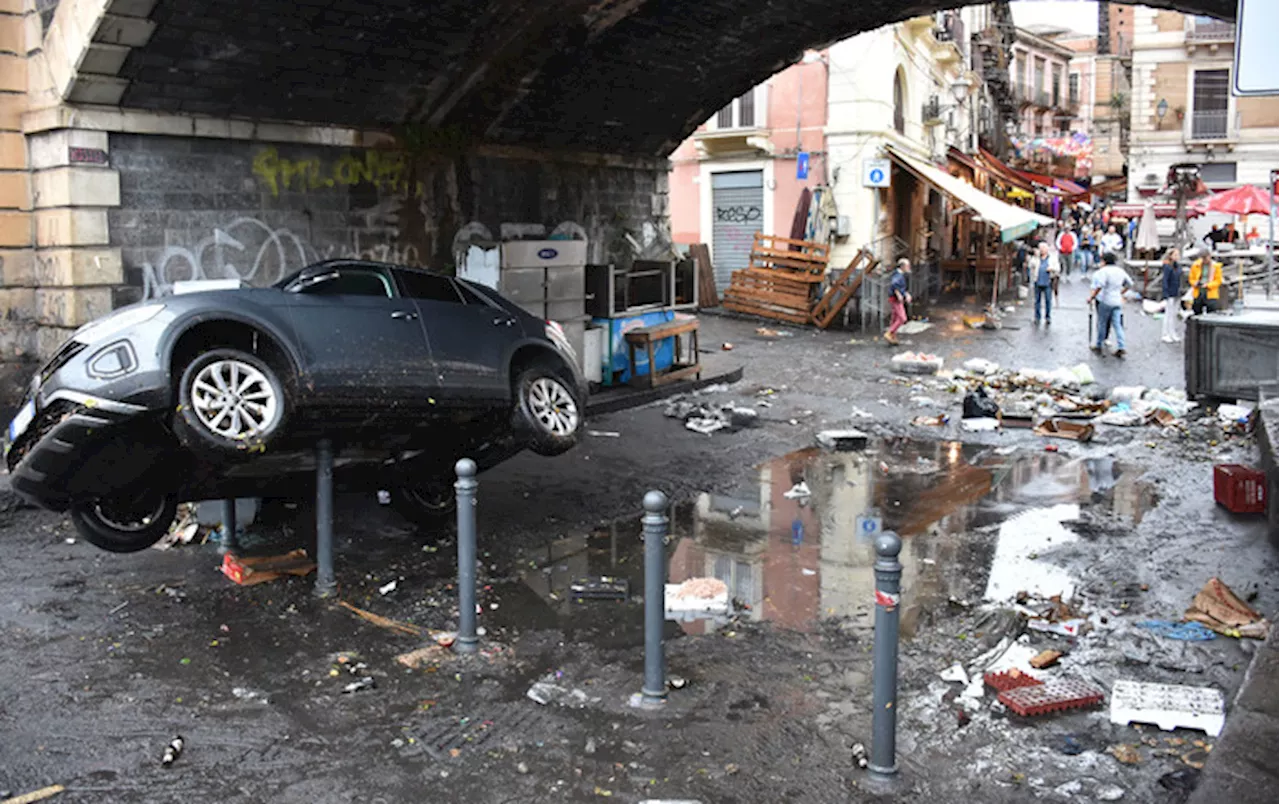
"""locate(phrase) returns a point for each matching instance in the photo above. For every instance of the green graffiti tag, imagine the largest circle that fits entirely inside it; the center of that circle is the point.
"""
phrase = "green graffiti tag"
(386, 170)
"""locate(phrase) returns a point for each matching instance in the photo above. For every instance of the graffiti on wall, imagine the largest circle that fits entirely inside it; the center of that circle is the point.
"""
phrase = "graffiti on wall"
(386, 170)
(259, 254)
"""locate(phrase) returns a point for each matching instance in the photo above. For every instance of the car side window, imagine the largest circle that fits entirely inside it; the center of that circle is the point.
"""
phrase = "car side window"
(351, 282)
(428, 287)
(470, 296)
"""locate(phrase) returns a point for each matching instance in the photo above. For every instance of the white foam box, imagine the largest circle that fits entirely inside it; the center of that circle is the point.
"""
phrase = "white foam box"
(687, 609)
(1169, 706)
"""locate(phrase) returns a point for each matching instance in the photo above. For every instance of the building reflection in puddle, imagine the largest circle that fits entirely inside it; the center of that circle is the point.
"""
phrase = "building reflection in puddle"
(794, 562)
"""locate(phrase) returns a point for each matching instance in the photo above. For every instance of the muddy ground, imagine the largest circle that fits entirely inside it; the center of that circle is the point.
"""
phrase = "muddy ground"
(109, 657)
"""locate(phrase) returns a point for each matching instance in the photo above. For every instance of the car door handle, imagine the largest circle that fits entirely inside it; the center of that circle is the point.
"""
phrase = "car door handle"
(507, 321)
(404, 315)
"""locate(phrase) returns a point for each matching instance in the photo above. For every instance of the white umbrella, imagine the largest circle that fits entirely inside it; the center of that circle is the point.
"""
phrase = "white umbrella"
(1148, 239)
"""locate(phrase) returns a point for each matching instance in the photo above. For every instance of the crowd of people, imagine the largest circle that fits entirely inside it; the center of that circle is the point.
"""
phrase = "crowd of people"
(1090, 242)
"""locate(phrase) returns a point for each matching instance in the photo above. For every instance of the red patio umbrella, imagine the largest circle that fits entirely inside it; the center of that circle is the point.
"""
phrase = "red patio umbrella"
(1243, 200)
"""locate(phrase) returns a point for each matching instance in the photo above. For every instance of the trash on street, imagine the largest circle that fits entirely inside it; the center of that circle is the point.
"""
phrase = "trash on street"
(1169, 706)
(843, 440)
(384, 622)
(916, 363)
(172, 751)
(1058, 428)
(601, 587)
(261, 569)
(1217, 607)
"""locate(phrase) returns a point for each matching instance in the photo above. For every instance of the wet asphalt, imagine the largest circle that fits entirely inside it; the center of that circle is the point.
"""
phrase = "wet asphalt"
(109, 657)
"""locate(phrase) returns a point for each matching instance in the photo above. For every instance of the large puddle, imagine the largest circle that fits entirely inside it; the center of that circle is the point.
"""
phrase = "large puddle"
(975, 522)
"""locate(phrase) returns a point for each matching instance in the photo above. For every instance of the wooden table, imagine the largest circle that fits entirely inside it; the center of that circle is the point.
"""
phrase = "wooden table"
(647, 337)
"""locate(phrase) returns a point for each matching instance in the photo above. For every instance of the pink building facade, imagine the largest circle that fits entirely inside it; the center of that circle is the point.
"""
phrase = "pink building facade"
(743, 170)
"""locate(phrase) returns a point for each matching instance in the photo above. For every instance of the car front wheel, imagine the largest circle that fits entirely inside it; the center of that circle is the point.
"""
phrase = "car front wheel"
(229, 402)
(548, 411)
(125, 523)
(427, 505)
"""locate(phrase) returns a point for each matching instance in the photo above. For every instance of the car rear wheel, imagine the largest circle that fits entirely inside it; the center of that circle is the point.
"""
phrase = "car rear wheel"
(427, 505)
(549, 409)
(229, 402)
(125, 523)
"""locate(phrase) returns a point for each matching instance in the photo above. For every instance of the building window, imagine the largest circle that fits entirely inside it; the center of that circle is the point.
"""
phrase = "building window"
(741, 113)
(1209, 101)
(1073, 89)
(1057, 86)
(899, 104)
(1218, 173)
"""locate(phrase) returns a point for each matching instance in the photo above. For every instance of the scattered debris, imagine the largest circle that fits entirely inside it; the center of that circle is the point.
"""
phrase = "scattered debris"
(1182, 780)
(384, 622)
(604, 433)
(366, 683)
(696, 598)
(1217, 607)
(914, 327)
(859, 755)
(678, 682)
(1071, 746)
(977, 405)
(601, 587)
(1010, 680)
(1169, 706)
(1047, 658)
(931, 421)
(1237, 418)
(422, 656)
(955, 673)
(859, 413)
(842, 440)
(260, 569)
(916, 363)
(387, 589)
(1071, 628)
(253, 696)
(1187, 632)
(978, 365)
(1052, 696)
(726, 347)
(546, 691)
(1057, 428)
(36, 795)
(172, 751)
(1109, 792)
(979, 425)
(1126, 753)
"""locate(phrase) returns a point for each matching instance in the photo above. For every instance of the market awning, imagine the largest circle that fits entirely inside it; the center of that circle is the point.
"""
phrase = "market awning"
(1003, 172)
(1070, 187)
(1013, 222)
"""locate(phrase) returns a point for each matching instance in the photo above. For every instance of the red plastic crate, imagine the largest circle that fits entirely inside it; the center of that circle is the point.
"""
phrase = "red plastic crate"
(1010, 680)
(1239, 488)
(1055, 696)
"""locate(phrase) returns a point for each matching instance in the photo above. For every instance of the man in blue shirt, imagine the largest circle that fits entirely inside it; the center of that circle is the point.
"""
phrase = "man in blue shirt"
(898, 300)
(1046, 270)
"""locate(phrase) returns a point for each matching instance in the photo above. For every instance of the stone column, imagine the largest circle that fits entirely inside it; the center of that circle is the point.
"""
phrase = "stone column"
(17, 281)
(75, 268)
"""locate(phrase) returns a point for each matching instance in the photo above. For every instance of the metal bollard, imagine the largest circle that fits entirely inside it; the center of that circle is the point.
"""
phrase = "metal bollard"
(466, 641)
(228, 545)
(325, 583)
(884, 717)
(654, 522)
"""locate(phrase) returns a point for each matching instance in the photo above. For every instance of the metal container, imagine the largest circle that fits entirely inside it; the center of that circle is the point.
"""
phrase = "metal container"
(1233, 356)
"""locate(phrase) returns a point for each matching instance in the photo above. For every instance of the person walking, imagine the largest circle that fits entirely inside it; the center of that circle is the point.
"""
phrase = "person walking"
(1109, 284)
(1067, 242)
(1046, 272)
(1088, 249)
(1171, 289)
(1205, 279)
(899, 298)
(1112, 243)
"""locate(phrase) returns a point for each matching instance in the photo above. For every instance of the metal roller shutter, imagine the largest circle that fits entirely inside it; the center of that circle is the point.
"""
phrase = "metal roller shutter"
(737, 201)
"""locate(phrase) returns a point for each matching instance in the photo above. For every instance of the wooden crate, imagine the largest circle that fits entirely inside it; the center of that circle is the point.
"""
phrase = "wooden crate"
(788, 255)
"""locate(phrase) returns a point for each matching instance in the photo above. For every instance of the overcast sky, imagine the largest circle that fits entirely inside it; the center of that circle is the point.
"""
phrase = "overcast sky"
(1078, 15)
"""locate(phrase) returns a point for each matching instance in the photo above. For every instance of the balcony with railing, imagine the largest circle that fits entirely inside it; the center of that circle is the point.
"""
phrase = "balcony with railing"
(1205, 31)
(1211, 125)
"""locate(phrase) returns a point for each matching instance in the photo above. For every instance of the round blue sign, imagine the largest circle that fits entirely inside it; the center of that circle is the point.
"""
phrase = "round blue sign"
(877, 175)
(548, 253)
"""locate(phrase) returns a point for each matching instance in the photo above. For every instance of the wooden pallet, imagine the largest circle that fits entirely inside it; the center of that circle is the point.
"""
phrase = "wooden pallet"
(767, 311)
(770, 291)
(707, 296)
(789, 255)
(845, 286)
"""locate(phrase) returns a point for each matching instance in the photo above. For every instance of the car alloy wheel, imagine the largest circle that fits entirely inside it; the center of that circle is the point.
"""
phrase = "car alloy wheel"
(553, 406)
(128, 519)
(234, 400)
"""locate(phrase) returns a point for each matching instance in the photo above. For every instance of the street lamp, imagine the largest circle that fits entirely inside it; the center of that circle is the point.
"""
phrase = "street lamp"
(1162, 109)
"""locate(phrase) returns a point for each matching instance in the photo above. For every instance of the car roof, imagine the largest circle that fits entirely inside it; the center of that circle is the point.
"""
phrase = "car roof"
(359, 263)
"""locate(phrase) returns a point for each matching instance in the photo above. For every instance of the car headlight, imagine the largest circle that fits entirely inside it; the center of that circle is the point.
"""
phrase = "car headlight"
(104, 328)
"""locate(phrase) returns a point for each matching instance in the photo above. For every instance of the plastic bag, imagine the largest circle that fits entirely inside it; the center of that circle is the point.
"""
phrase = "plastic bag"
(977, 405)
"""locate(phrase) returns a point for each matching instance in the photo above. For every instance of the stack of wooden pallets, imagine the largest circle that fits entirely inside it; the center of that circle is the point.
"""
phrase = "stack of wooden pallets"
(781, 281)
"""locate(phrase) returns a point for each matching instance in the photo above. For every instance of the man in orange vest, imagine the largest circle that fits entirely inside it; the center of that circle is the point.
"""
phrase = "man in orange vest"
(1205, 283)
